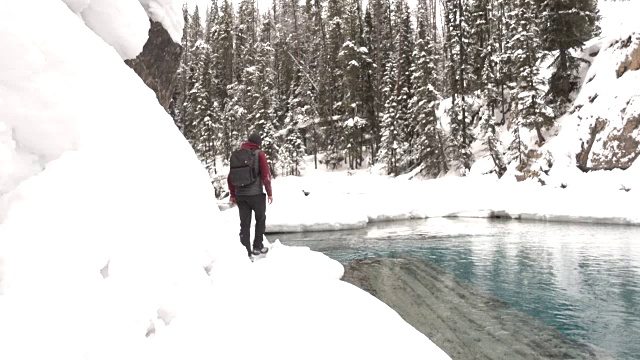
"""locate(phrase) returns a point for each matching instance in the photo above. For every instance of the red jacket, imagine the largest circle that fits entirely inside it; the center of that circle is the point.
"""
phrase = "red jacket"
(265, 173)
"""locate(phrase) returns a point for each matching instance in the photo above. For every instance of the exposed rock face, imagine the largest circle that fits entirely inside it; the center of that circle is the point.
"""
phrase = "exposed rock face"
(158, 63)
(619, 145)
(609, 112)
(632, 61)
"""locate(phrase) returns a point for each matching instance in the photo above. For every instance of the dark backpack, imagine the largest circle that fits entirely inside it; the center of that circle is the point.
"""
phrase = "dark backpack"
(243, 167)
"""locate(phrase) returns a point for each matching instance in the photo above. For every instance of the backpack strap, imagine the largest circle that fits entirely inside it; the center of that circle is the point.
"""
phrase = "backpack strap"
(256, 166)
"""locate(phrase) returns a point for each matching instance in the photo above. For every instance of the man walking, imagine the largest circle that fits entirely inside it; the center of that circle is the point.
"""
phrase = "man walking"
(246, 190)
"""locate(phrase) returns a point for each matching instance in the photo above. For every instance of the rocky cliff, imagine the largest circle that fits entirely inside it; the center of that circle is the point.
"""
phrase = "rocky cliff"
(608, 106)
(158, 63)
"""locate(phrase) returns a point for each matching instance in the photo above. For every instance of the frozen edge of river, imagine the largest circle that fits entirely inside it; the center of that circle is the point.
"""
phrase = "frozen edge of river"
(488, 214)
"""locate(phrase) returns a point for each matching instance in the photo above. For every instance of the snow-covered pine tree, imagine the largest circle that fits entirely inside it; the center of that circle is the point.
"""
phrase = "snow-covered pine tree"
(498, 80)
(352, 57)
(566, 25)
(283, 24)
(388, 152)
(531, 112)
(294, 100)
(311, 65)
(193, 106)
(235, 118)
(517, 149)
(458, 72)
(380, 48)
(292, 149)
(368, 88)
(390, 140)
(320, 51)
(288, 47)
(492, 77)
(404, 47)
(209, 127)
(212, 17)
(300, 114)
(182, 77)
(516, 22)
(480, 35)
(334, 135)
(223, 74)
(241, 102)
(264, 89)
(196, 30)
(245, 38)
(207, 113)
(431, 140)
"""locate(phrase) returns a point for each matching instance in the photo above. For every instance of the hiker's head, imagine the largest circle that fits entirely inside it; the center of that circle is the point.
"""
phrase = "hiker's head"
(255, 138)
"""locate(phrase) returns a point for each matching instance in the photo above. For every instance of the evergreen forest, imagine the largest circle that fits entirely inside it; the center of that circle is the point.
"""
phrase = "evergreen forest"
(355, 84)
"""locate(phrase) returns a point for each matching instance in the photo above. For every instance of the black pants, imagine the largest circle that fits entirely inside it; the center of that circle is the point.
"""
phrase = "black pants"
(246, 204)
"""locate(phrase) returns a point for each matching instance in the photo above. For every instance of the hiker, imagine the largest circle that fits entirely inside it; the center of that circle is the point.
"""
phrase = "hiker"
(245, 189)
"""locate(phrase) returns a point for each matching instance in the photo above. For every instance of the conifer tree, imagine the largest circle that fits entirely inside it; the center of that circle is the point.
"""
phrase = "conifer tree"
(531, 112)
(458, 72)
(566, 25)
(311, 88)
(388, 153)
(334, 135)
(264, 89)
(352, 57)
(403, 91)
(380, 32)
(431, 140)
(292, 149)
(182, 77)
(496, 77)
(245, 38)
(193, 106)
(223, 75)
(368, 87)
(498, 80)
(480, 46)
(241, 102)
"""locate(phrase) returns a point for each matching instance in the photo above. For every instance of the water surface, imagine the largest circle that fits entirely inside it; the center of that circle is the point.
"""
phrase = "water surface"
(582, 279)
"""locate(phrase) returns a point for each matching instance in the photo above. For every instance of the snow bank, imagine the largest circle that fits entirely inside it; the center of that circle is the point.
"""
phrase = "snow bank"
(124, 24)
(94, 239)
(168, 13)
(128, 34)
(75, 126)
(341, 201)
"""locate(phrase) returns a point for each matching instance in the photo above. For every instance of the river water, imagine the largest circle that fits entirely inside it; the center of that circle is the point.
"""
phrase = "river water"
(582, 279)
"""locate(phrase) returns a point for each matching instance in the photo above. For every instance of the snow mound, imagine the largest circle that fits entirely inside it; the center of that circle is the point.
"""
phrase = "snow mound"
(168, 13)
(124, 24)
(341, 202)
(128, 34)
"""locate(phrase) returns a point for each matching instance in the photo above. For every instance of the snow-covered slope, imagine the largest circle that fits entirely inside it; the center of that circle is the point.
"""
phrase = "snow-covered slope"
(601, 130)
(90, 161)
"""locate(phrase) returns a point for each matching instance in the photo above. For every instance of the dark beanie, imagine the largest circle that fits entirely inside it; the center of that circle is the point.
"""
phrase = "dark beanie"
(255, 138)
